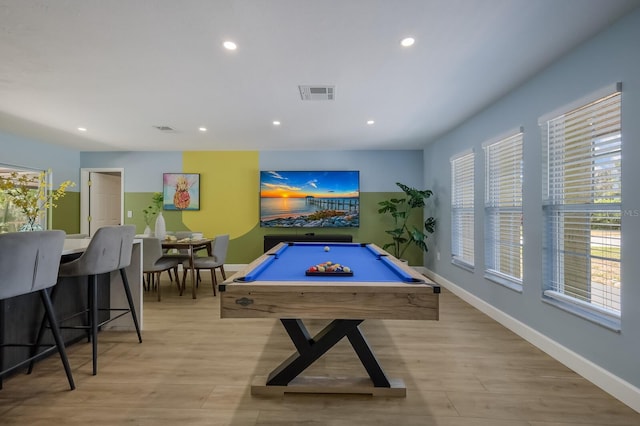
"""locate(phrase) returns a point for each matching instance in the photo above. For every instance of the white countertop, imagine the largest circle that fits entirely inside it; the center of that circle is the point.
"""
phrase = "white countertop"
(79, 245)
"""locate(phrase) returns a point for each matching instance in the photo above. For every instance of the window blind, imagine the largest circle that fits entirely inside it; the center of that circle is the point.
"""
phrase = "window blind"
(462, 200)
(582, 203)
(503, 209)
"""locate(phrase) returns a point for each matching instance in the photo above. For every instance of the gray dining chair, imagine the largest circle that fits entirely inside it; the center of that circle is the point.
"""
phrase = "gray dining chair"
(216, 261)
(29, 263)
(154, 262)
(108, 251)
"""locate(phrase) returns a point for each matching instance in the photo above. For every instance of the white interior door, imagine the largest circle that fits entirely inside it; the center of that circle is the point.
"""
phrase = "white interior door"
(101, 199)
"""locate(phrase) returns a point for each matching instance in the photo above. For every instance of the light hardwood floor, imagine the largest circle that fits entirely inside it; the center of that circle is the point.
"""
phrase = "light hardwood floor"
(196, 369)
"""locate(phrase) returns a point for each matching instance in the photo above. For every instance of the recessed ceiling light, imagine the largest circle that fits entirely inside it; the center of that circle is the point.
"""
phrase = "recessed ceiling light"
(82, 129)
(371, 122)
(229, 45)
(408, 41)
(202, 129)
(276, 123)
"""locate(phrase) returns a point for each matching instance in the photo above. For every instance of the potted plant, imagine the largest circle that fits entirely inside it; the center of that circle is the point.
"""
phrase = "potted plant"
(152, 210)
(400, 209)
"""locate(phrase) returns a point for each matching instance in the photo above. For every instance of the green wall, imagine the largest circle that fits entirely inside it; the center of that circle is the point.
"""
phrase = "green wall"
(136, 202)
(66, 215)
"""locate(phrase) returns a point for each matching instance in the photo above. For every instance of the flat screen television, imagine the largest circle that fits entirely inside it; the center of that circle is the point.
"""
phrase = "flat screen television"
(309, 199)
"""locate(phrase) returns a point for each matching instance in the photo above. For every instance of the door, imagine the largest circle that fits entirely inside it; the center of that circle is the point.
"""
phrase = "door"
(101, 199)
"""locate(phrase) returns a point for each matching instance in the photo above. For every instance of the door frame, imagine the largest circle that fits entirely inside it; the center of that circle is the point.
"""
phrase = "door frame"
(84, 194)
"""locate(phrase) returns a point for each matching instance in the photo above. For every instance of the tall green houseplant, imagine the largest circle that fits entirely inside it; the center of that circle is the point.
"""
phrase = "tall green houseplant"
(400, 209)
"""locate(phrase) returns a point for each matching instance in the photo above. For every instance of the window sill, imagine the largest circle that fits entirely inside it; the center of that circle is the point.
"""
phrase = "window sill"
(463, 265)
(582, 310)
(504, 281)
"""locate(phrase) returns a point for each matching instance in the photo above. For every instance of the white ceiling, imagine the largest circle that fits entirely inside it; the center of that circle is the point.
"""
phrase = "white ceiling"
(121, 67)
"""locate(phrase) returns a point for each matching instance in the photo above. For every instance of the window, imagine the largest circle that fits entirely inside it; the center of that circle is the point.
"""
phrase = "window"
(462, 178)
(582, 206)
(12, 215)
(503, 210)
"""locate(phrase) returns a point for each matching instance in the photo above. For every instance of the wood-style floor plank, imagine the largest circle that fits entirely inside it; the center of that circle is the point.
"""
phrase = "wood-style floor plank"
(195, 369)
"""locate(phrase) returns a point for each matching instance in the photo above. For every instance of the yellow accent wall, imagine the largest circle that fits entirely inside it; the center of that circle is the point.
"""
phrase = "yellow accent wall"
(228, 191)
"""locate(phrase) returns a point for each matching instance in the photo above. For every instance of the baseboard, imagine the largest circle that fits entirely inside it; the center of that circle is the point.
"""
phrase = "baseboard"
(610, 383)
(228, 267)
(234, 267)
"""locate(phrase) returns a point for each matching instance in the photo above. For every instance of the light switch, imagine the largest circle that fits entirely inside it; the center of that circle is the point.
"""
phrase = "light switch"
(129, 213)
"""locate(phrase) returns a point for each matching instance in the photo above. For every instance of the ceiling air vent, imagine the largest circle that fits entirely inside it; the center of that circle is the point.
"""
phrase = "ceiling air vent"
(165, 129)
(317, 93)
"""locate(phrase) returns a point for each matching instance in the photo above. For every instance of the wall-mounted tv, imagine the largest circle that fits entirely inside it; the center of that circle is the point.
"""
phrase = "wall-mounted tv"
(310, 199)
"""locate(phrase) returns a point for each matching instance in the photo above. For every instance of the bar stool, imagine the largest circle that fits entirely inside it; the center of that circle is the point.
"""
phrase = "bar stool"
(29, 263)
(109, 250)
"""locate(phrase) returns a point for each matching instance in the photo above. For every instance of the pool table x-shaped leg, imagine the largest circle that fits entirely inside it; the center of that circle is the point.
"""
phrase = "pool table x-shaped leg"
(310, 349)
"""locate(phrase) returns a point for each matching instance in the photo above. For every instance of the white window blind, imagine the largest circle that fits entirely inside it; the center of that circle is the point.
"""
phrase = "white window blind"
(462, 224)
(582, 205)
(503, 209)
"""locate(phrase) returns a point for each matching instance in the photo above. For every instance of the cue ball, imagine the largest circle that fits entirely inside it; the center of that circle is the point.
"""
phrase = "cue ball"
(326, 248)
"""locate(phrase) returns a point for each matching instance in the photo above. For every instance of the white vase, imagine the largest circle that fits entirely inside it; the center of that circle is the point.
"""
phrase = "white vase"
(147, 231)
(161, 227)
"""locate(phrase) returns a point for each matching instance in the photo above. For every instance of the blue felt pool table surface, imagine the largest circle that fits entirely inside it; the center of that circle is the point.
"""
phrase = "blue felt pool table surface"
(291, 261)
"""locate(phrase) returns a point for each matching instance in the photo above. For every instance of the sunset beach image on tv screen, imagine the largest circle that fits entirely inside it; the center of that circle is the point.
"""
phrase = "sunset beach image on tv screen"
(309, 199)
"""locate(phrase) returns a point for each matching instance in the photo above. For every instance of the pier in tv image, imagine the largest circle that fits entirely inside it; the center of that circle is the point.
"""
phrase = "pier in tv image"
(310, 199)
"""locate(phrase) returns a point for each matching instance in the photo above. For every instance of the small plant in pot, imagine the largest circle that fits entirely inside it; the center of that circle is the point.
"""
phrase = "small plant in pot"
(152, 210)
(403, 234)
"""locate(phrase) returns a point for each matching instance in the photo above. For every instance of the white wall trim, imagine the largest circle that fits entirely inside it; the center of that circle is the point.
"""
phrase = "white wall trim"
(234, 267)
(610, 383)
(228, 267)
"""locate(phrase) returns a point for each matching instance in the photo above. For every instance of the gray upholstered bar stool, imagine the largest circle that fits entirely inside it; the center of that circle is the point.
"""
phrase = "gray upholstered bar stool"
(29, 263)
(109, 250)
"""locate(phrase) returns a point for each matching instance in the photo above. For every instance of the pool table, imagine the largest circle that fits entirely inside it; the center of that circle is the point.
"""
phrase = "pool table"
(279, 284)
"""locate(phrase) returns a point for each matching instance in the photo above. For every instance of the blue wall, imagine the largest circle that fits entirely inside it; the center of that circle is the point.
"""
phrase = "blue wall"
(142, 170)
(379, 170)
(613, 56)
(24, 152)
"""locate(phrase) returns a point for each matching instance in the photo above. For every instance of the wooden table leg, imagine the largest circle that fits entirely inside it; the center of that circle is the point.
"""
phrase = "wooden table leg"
(310, 349)
(193, 273)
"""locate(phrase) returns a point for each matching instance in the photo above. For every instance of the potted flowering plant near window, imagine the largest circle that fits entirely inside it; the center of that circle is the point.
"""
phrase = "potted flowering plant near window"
(400, 209)
(32, 195)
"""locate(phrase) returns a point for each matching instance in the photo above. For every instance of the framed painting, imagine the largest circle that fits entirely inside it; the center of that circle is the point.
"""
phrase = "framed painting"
(181, 191)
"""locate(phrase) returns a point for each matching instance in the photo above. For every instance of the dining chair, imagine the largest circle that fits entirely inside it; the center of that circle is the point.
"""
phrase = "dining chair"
(108, 251)
(29, 263)
(216, 261)
(154, 262)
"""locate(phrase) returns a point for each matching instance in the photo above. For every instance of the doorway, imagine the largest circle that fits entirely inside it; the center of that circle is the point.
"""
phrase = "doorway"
(101, 198)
